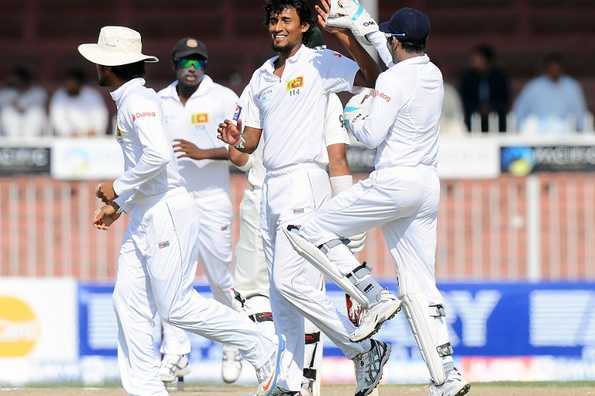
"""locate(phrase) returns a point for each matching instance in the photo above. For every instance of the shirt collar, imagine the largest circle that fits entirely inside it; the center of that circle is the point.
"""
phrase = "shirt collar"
(205, 86)
(297, 56)
(119, 94)
(416, 60)
(269, 66)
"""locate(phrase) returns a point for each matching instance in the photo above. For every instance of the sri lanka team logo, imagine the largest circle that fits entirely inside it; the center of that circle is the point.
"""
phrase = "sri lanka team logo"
(200, 118)
(294, 86)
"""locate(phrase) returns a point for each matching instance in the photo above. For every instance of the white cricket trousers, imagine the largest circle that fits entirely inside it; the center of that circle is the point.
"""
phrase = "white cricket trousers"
(156, 268)
(251, 274)
(290, 194)
(404, 202)
(214, 213)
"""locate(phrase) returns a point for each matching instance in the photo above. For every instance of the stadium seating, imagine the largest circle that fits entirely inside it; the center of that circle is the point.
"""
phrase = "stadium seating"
(45, 34)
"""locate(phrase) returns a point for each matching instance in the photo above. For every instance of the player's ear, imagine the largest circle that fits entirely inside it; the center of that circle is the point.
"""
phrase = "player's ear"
(305, 27)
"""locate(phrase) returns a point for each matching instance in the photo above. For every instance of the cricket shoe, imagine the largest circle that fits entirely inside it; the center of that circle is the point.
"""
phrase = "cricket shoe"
(268, 374)
(172, 367)
(455, 385)
(231, 365)
(373, 318)
(369, 366)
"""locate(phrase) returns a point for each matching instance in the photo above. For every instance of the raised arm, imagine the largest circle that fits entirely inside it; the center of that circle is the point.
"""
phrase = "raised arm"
(369, 69)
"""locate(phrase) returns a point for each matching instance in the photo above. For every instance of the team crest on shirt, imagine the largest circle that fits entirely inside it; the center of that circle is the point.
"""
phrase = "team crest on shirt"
(295, 85)
(200, 118)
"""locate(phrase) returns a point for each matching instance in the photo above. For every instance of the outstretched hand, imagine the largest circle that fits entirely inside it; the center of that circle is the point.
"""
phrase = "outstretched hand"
(105, 217)
(105, 192)
(229, 132)
(185, 149)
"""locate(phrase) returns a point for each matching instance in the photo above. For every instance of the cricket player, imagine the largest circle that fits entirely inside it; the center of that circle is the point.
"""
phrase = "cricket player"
(400, 119)
(193, 106)
(286, 95)
(158, 255)
(251, 277)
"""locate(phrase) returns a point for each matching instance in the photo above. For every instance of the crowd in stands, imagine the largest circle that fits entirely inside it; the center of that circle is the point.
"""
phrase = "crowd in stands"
(481, 101)
(551, 103)
(74, 110)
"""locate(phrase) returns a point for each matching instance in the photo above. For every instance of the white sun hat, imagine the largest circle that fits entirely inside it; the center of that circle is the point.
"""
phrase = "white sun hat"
(117, 45)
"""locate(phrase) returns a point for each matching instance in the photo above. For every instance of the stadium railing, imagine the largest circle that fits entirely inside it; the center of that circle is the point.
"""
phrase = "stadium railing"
(512, 208)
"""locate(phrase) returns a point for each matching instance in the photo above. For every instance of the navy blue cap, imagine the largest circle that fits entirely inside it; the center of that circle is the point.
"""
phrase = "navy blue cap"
(189, 46)
(408, 25)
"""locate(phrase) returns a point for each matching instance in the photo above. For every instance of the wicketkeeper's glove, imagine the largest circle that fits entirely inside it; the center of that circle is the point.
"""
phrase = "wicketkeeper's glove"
(350, 14)
(358, 108)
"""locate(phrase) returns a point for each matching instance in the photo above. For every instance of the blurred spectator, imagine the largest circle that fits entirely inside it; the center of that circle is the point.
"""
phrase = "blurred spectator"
(23, 105)
(452, 120)
(77, 110)
(552, 102)
(235, 82)
(485, 89)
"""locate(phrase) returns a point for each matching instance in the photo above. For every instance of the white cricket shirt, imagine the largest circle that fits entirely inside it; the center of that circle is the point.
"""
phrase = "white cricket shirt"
(149, 165)
(290, 109)
(334, 133)
(405, 115)
(197, 122)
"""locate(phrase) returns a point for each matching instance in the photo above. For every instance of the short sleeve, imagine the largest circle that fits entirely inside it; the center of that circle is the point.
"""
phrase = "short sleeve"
(249, 113)
(334, 131)
(338, 71)
(229, 102)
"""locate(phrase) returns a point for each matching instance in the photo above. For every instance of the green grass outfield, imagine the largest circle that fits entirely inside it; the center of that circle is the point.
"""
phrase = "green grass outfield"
(480, 389)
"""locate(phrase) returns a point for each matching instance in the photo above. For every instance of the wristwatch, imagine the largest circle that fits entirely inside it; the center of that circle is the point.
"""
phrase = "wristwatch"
(241, 144)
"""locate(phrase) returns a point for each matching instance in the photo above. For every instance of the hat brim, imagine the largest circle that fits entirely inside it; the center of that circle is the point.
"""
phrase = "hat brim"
(100, 56)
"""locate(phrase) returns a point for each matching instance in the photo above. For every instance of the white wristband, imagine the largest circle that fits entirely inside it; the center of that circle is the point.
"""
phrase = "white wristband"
(247, 166)
(341, 183)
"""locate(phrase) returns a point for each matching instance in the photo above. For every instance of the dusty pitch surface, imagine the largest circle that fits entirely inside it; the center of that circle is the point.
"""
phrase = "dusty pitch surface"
(505, 389)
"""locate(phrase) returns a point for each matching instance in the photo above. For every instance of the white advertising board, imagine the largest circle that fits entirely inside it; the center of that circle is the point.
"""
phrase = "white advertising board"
(38, 320)
(84, 159)
(475, 158)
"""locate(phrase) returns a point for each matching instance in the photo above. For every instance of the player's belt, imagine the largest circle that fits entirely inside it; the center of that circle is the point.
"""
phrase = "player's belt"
(261, 317)
(310, 373)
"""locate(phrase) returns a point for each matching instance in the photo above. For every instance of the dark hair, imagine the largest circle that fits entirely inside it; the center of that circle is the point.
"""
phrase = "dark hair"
(487, 51)
(22, 74)
(552, 58)
(129, 71)
(315, 40)
(302, 7)
(76, 74)
(413, 47)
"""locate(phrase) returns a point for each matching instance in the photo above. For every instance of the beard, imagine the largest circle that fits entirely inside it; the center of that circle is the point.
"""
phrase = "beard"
(277, 48)
(285, 49)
